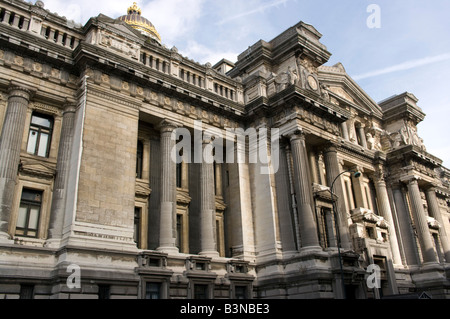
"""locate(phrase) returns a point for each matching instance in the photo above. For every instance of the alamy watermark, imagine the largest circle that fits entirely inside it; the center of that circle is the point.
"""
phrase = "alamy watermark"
(374, 19)
(74, 279)
(210, 144)
(374, 279)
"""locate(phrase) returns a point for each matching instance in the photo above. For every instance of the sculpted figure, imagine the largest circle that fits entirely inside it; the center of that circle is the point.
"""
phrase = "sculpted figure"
(292, 76)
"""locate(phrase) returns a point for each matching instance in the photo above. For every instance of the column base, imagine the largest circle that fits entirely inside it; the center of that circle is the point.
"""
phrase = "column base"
(310, 249)
(168, 250)
(212, 254)
(53, 243)
(5, 238)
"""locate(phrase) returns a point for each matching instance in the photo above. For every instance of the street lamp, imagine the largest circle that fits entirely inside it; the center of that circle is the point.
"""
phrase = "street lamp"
(356, 174)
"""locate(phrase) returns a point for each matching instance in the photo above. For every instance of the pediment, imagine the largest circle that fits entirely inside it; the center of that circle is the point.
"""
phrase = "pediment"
(344, 90)
(37, 168)
(142, 189)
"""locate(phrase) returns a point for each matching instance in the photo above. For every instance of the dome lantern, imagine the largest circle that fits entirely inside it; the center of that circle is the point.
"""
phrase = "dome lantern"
(135, 20)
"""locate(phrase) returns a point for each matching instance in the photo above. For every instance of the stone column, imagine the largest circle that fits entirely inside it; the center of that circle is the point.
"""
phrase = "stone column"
(307, 223)
(168, 203)
(385, 211)
(332, 170)
(345, 131)
(420, 220)
(435, 212)
(404, 224)
(207, 203)
(362, 135)
(10, 142)
(62, 171)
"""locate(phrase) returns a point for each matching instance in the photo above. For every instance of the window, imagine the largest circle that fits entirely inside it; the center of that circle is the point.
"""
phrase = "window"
(137, 226)
(179, 239)
(179, 175)
(104, 292)
(200, 266)
(200, 291)
(370, 232)
(40, 134)
(29, 213)
(139, 159)
(26, 292)
(240, 292)
(153, 290)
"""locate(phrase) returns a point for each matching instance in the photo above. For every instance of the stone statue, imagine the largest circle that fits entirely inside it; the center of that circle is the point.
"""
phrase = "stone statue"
(292, 76)
(325, 94)
(370, 141)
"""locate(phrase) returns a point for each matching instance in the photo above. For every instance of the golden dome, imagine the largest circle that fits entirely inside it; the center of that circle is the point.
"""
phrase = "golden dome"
(138, 22)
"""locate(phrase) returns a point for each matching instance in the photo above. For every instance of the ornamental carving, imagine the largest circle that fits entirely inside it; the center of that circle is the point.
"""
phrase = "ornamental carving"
(129, 49)
(407, 135)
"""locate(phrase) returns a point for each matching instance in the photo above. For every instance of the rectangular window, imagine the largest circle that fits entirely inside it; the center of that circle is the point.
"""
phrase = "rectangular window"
(179, 239)
(26, 292)
(39, 136)
(370, 232)
(153, 290)
(29, 213)
(104, 292)
(137, 226)
(179, 175)
(139, 159)
(200, 291)
(240, 292)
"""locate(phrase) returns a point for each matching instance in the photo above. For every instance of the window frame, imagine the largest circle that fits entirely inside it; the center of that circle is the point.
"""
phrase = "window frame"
(39, 130)
(29, 204)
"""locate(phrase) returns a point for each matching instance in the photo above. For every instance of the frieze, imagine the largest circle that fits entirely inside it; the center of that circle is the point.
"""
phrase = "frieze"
(157, 99)
(37, 69)
(33, 167)
(45, 108)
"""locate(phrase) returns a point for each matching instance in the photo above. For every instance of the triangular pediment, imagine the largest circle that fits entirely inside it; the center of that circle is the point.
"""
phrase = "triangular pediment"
(37, 168)
(344, 90)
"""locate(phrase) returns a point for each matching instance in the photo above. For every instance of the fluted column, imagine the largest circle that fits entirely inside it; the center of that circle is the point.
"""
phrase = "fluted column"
(208, 245)
(420, 220)
(406, 239)
(10, 142)
(362, 135)
(307, 223)
(62, 171)
(385, 211)
(167, 232)
(332, 170)
(435, 212)
(345, 131)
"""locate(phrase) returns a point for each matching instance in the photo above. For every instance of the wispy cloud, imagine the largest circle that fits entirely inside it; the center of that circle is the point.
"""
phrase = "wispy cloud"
(404, 66)
(259, 9)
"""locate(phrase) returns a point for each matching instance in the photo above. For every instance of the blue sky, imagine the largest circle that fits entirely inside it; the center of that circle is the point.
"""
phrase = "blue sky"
(409, 52)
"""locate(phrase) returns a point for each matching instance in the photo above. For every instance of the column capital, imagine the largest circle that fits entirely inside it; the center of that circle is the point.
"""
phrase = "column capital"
(431, 187)
(330, 147)
(296, 135)
(19, 90)
(70, 106)
(410, 179)
(167, 126)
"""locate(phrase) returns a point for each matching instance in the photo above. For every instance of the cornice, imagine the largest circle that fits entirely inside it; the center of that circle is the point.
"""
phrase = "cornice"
(98, 58)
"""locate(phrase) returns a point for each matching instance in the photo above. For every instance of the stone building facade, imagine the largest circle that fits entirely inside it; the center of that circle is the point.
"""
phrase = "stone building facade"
(94, 206)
